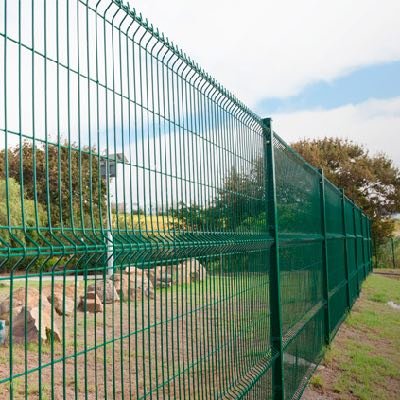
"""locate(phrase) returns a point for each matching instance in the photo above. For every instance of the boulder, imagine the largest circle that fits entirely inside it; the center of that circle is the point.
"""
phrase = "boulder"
(195, 270)
(55, 296)
(69, 289)
(26, 325)
(19, 300)
(186, 272)
(191, 270)
(66, 307)
(135, 271)
(105, 290)
(161, 276)
(132, 286)
(90, 303)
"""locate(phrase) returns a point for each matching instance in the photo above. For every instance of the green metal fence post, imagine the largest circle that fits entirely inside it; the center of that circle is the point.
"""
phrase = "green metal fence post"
(393, 257)
(346, 250)
(366, 246)
(274, 274)
(356, 246)
(325, 275)
(364, 256)
(370, 245)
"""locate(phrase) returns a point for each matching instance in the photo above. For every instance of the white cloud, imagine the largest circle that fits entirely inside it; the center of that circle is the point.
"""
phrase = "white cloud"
(374, 123)
(274, 48)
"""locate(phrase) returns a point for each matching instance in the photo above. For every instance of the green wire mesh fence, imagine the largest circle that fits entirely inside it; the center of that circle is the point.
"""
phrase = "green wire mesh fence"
(387, 253)
(157, 238)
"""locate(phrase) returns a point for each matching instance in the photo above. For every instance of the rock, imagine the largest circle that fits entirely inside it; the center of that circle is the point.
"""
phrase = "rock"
(161, 276)
(55, 295)
(132, 286)
(105, 290)
(69, 289)
(26, 325)
(19, 300)
(66, 307)
(135, 271)
(187, 271)
(192, 270)
(90, 303)
(394, 305)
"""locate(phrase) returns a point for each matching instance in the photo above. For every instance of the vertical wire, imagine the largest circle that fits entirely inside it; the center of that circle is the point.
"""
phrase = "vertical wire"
(138, 228)
(35, 193)
(107, 166)
(81, 213)
(143, 169)
(170, 210)
(21, 174)
(11, 363)
(132, 228)
(165, 101)
(124, 200)
(156, 236)
(114, 160)
(149, 232)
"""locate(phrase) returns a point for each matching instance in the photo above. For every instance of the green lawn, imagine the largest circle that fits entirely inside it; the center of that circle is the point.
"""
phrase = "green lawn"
(363, 362)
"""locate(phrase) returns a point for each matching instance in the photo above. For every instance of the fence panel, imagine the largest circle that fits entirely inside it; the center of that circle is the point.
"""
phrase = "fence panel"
(387, 253)
(157, 238)
(300, 244)
(336, 256)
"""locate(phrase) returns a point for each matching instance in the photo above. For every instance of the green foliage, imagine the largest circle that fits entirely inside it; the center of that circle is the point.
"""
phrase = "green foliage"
(373, 182)
(239, 205)
(32, 215)
(317, 381)
(388, 253)
(241, 196)
(47, 186)
(63, 179)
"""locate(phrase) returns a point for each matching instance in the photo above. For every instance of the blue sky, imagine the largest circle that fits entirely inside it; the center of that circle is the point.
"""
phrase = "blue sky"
(317, 68)
(380, 81)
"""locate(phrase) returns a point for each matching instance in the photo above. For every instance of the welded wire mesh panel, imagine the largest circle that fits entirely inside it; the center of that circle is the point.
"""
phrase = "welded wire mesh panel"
(133, 220)
(364, 238)
(297, 191)
(301, 258)
(352, 250)
(336, 250)
(302, 355)
(157, 239)
(359, 245)
(388, 253)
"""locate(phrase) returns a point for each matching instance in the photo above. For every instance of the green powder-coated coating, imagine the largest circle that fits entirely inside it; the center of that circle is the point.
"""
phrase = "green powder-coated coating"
(157, 238)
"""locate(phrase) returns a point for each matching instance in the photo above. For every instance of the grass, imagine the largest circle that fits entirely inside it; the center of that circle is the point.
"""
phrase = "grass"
(363, 361)
(317, 381)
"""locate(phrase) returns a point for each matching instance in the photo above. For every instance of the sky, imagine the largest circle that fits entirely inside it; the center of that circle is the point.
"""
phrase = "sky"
(317, 68)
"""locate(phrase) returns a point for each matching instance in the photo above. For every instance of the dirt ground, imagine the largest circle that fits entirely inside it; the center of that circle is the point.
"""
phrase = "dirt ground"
(179, 341)
(363, 361)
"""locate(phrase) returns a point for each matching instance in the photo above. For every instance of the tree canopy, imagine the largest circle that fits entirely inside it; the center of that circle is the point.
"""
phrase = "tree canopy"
(63, 179)
(372, 181)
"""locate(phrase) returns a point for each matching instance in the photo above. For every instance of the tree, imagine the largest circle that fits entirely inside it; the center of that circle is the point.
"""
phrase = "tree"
(241, 198)
(63, 179)
(11, 213)
(373, 182)
(19, 220)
